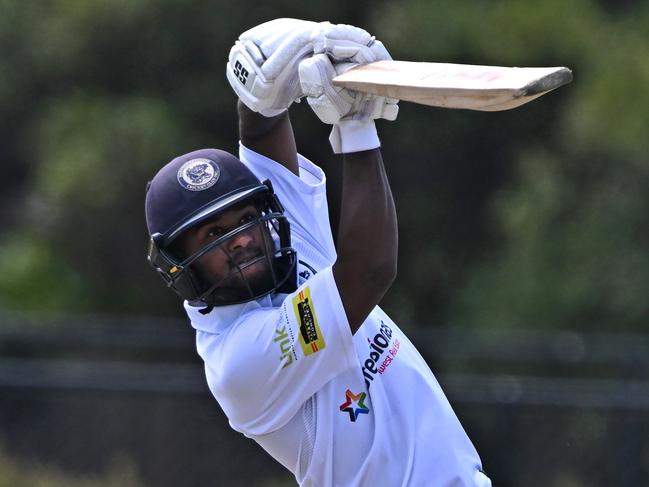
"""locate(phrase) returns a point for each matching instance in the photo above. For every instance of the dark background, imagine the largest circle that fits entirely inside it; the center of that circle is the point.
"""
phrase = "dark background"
(523, 273)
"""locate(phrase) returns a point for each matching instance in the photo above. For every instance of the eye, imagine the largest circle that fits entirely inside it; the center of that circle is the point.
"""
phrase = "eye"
(214, 232)
(248, 217)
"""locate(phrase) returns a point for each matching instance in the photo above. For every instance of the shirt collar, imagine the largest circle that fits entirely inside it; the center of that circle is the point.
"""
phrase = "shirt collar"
(220, 318)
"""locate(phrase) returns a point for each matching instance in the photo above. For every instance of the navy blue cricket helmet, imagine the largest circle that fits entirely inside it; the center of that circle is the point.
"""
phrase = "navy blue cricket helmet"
(196, 188)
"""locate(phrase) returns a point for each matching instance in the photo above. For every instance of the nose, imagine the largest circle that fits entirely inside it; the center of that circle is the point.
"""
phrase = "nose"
(240, 241)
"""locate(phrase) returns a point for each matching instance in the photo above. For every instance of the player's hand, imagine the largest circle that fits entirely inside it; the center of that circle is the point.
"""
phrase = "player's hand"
(351, 113)
(263, 64)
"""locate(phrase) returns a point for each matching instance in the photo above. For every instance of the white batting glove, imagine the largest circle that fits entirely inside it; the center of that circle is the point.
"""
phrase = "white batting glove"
(347, 43)
(351, 113)
(263, 64)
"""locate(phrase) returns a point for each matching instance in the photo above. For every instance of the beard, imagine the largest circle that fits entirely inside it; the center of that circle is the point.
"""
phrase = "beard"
(250, 273)
(250, 277)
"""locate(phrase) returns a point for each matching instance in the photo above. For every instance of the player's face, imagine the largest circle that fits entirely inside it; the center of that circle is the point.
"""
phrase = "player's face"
(243, 256)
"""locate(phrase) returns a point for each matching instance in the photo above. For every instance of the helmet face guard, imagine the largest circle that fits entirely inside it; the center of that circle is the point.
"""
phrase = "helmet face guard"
(278, 259)
(196, 188)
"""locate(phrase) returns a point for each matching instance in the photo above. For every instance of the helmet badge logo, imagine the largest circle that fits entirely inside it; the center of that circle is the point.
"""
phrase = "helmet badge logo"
(198, 174)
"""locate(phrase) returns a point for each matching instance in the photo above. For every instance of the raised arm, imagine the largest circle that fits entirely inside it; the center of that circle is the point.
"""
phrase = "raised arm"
(280, 61)
(367, 233)
(367, 236)
(270, 136)
(262, 70)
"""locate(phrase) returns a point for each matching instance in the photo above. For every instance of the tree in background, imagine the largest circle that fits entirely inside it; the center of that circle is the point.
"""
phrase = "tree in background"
(534, 217)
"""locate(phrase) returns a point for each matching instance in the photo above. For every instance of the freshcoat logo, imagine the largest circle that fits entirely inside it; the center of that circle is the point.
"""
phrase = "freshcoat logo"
(376, 363)
(354, 405)
(311, 337)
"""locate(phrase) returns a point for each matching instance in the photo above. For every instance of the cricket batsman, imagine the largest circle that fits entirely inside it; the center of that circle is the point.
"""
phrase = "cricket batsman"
(297, 352)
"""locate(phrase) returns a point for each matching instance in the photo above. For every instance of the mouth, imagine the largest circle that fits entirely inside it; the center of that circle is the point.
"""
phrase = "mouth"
(246, 261)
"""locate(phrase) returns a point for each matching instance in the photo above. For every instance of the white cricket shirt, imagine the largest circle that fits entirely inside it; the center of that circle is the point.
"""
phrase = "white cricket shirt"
(334, 409)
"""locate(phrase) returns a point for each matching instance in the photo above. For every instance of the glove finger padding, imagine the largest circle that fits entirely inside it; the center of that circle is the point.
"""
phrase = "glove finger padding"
(351, 113)
(269, 36)
(366, 51)
(372, 107)
(343, 42)
(268, 96)
(263, 64)
(330, 103)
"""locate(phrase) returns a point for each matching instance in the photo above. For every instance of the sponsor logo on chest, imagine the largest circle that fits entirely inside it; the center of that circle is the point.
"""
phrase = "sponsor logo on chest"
(383, 350)
(354, 405)
(311, 338)
(284, 338)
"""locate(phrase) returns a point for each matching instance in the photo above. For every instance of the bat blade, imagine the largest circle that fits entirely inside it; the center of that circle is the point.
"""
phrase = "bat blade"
(464, 86)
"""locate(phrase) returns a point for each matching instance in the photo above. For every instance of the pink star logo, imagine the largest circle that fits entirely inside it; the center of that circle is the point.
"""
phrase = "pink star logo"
(354, 405)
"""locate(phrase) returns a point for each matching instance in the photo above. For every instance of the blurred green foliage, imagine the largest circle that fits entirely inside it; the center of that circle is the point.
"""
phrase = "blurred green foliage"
(121, 473)
(534, 217)
(568, 224)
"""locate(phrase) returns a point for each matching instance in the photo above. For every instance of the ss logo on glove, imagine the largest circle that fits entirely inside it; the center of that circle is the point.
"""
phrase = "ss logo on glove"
(240, 72)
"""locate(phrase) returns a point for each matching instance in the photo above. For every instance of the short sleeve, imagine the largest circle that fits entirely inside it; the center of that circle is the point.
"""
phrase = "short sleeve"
(271, 360)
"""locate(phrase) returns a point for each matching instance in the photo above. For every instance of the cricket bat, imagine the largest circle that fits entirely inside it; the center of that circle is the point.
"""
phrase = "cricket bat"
(465, 86)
